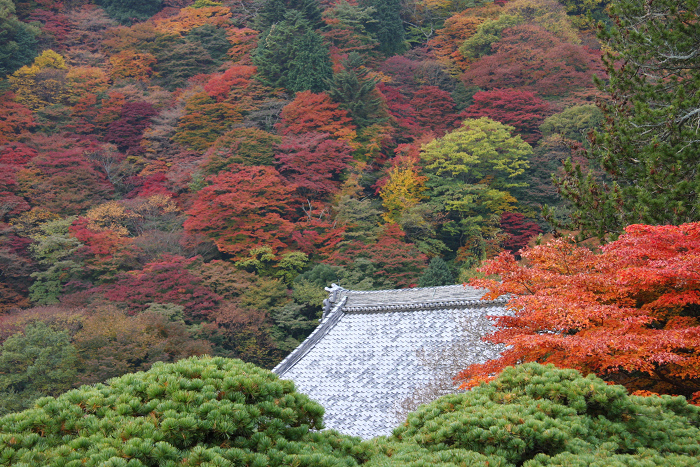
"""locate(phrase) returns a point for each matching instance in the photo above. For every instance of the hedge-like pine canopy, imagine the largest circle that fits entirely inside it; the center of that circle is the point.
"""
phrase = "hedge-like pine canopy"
(220, 412)
(208, 411)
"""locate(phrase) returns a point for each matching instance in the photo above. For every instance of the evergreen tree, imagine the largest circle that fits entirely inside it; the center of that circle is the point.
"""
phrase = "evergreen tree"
(39, 362)
(208, 411)
(535, 415)
(18, 45)
(213, 40)
(356, 93)
(388, 29)
(275, 11)
(311, 67)
(180, 61)
(126, 11)
(292, 55)
(438, 273)
(648, 147)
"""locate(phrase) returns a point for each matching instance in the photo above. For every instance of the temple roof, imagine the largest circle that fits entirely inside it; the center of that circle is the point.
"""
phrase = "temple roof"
(362, 359)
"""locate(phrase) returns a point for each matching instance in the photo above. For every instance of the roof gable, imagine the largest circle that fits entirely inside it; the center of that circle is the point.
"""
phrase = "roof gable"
(361, 360)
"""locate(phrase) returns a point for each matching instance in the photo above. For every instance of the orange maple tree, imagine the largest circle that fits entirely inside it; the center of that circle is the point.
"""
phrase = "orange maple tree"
(316, 112)
(629, 312)
(244, 208)
(129, 64)
(446, 42)
(190, 18)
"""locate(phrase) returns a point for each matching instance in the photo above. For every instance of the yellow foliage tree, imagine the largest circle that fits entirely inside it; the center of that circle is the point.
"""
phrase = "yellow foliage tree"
(190, 18)
(129, 64)
(82, 80)
(111, 215)
(549, 14)
(403, 190)
(42, 83)
(29, 222)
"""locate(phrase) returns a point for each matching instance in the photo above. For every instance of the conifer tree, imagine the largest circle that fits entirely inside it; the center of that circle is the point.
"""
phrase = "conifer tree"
(388, 29)
(292, 55)
(648, 147)
(274, 11)
(355, 92)
(17, 40)
(36, 363)
(438, 273)
(208, 411)
(126, 11)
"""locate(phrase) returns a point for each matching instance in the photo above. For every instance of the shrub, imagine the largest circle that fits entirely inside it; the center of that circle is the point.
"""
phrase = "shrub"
(220, 412)
(535, 415)
(198, 411)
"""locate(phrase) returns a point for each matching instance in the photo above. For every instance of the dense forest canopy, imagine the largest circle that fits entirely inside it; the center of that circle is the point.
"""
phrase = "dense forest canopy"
(183, 178)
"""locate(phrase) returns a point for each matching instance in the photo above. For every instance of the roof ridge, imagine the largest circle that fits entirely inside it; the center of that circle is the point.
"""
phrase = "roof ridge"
(454, 303)
(404, 290)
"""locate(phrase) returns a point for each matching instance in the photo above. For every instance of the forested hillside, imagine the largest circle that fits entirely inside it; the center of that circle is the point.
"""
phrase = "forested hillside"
(180, 179)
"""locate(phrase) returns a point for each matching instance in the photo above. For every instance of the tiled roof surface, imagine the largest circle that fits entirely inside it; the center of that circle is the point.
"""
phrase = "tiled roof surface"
(361, 360)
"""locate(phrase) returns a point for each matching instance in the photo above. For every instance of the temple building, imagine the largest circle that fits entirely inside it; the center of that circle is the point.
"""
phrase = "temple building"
(372, 350)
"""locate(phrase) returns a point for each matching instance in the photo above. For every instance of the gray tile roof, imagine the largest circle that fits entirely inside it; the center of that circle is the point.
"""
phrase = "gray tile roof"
(361, 360)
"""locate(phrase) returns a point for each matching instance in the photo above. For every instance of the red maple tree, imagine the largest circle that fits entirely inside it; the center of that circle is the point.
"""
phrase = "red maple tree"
(64, 182)
(523, 110)
(167, 280)
(127, 132)
(315, 112)
(313, 162)
(532, 59)
(245, 208)
(629, 313)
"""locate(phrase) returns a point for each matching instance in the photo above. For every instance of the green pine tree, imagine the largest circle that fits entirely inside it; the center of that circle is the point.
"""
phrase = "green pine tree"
(388, 29)
(274, 11)
(292, 55)
(437, 274)
(311, 67)
(355, 92)
(212, 39)
(18, 45)
(127, 11)
(648, 147)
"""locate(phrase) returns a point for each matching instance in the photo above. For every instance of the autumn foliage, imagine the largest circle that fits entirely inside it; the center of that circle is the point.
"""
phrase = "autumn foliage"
(165, 281)
(523, 110)
(174, 165)
(243, 209)
(531, 58)
(399, 262)
(313, 162)
(629, 313)
(315, 112)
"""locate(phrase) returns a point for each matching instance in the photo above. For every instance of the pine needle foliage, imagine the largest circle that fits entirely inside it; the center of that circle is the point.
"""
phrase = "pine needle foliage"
(535, 415)
(208, 411)
(437, 274)
(220, 412)
(648, 146)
